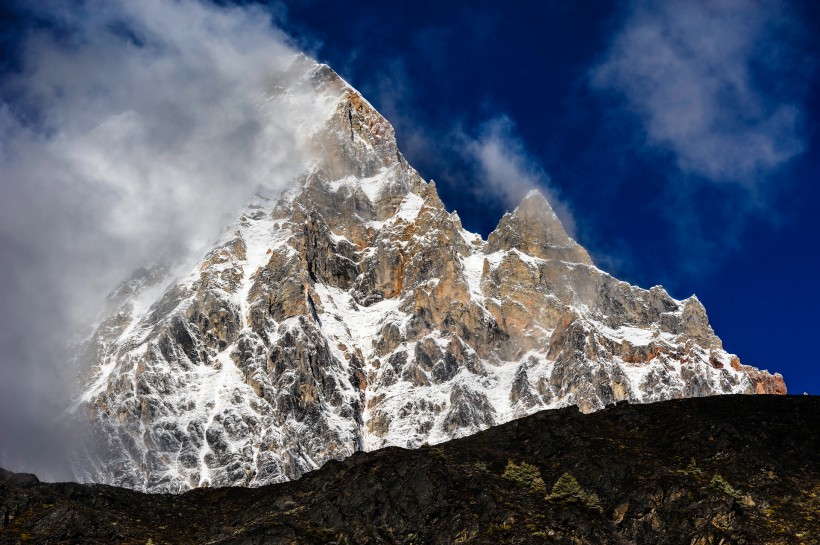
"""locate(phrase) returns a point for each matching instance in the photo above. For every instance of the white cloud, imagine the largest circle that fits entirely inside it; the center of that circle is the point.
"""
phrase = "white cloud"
(700, 76)
(507, 171)
(132, 133)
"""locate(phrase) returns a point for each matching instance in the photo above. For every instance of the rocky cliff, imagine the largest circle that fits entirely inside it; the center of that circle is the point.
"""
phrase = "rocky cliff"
(355, 312)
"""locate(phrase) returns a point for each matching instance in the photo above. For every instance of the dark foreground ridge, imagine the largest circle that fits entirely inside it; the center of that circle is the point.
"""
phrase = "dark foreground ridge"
(719, 470)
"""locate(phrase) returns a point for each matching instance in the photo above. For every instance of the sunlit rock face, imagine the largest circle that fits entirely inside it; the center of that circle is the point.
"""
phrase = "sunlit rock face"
(354, 312)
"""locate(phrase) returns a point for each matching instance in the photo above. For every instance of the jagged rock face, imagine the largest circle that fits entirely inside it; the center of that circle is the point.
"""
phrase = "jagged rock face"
(355, 312)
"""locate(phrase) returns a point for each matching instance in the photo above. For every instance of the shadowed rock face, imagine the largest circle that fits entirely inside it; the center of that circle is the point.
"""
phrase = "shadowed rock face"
(354, 312)
(725, 469)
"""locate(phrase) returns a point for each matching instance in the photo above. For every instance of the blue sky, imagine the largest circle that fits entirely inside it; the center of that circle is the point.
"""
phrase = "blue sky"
(679, 137)
(677, 140)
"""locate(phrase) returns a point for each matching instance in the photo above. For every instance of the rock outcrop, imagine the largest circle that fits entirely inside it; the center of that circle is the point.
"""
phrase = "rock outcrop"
(355, 312)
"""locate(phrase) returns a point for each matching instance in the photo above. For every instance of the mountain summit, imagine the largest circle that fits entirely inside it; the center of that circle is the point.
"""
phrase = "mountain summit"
(354, 312)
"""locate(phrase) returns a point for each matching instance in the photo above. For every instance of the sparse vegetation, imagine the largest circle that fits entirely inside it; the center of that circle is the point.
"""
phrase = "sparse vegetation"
(567, 489)
(438, 452)
(481, 466)
(526, 475)
(692, 469)
(722, 485)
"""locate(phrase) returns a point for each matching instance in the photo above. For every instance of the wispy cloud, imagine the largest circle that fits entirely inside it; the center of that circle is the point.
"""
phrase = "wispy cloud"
(132, 131)
(505, 170)
(486, 158)
(712, 83)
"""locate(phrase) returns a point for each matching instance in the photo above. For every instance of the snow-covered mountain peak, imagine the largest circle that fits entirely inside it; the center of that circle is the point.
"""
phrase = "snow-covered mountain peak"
(355, 312)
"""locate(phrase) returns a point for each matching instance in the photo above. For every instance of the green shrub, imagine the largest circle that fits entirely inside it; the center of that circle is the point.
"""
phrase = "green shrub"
(481, 466)
(722, 485)
(567, 489)
(526, 475)
(437, 452)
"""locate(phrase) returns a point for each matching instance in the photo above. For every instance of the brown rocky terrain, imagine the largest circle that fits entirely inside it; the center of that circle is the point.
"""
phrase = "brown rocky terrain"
(717, 470)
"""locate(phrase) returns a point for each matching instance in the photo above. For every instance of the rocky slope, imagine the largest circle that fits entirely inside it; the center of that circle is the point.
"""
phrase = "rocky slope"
(354, 312)
(725, 469)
